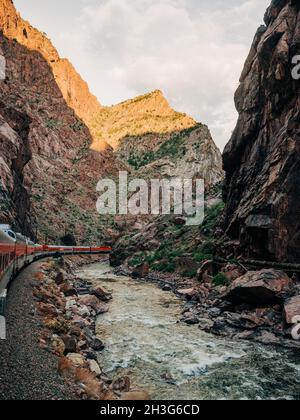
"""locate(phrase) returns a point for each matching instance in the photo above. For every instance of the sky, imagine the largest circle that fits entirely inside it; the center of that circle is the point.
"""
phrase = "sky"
(192, 50)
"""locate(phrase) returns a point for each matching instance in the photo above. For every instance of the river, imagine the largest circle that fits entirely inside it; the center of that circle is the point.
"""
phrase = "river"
(145, 341)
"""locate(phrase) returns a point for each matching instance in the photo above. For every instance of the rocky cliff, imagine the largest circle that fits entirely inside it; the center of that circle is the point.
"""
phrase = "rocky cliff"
(48, 171)
(155, 140)
(74, 90)
(262, 159)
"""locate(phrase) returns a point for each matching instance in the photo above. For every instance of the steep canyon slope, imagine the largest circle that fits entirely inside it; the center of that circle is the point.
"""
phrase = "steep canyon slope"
(48, 171)
(57, 140)
(262, 159)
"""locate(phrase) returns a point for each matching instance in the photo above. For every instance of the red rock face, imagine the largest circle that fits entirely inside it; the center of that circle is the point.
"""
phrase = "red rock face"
(74, 90)
(48, 172)
(262, 159)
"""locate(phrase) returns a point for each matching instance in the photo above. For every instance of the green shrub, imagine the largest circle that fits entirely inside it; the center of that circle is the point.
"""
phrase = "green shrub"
(220, 280)
(52, 124)
(190, 273)
(136, 260)
(212, 216)
(201, 256)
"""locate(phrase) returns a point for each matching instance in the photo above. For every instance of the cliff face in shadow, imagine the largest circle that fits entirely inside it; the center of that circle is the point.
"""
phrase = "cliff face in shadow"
(48, 171)
(262, 159)
(74, 90)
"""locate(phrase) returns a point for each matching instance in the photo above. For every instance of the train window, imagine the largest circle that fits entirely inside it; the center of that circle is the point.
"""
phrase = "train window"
(11, 234)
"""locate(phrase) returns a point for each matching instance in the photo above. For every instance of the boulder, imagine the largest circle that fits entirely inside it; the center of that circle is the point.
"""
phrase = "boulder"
(233, 272)
(94, 367)
(97, 344)
(92, 302)
(68, 290)
(141, 270)
(93, 388)
(205, 324)
(101, 294)
(70, 344)
(291, 309)
(66, 368)
(83, 311)
(77, 359)
(259, 288)
(191, 320)
(58, 345)
(188, 293)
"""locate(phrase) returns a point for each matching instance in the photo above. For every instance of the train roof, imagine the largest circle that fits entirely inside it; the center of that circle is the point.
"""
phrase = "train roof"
(5, 227)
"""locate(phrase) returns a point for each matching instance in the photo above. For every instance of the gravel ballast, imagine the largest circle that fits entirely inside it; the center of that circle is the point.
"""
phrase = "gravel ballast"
(27, 372)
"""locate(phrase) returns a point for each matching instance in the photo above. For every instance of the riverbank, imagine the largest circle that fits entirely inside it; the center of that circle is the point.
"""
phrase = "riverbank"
(146, 342)
(68, 307)
(226, 309)
(91, 334)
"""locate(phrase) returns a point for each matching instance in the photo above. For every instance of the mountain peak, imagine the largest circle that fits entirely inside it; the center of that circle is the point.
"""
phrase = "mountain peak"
(144, 114)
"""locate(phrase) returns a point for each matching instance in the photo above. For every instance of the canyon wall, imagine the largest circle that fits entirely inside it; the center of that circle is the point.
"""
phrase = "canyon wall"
(262, 159)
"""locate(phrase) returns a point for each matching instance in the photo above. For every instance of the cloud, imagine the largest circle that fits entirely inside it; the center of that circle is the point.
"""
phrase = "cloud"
(194, 54)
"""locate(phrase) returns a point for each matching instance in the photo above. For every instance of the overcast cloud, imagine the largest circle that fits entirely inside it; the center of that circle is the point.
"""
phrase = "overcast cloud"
(193, 50)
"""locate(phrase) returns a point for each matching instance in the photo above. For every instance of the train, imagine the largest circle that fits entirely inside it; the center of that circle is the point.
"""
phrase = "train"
(17, 251)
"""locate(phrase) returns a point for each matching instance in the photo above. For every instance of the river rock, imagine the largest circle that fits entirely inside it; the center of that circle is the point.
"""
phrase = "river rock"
(94, 367)
(68, 290)
(70, 344)
(83, 311)
(75, 331)
(101, 294)
(70, 303)
(188, 293)
(77, 359)
(97, 344)
(291, 309)
(58, 345)
(205, 324)
(91, 301)
(259, 288)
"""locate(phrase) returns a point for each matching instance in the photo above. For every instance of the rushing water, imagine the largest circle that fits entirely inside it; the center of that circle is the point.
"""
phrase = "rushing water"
(171, 360)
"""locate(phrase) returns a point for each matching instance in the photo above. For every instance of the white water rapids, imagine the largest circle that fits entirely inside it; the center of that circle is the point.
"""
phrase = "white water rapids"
(145, 340)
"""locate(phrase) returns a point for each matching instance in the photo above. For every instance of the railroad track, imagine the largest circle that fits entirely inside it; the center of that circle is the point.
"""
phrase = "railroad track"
(17, 252)
(286, 267)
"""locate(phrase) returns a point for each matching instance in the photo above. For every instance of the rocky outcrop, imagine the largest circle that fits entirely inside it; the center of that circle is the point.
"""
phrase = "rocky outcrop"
(15, 154)
(262, 159)
(259, 288)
